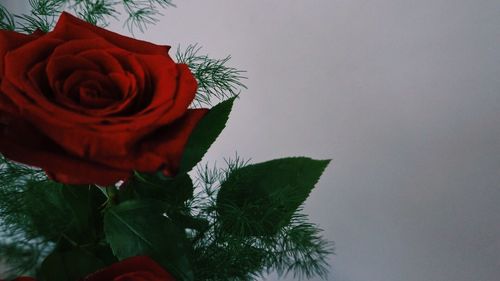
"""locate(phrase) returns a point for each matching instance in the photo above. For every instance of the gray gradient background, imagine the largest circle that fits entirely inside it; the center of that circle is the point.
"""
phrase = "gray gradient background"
(403, 95)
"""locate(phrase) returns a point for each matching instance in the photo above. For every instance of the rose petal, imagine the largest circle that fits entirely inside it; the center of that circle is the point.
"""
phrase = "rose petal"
(167, 104)
(106, 61)
(138, 276)
(69, 27)
(17, 64)
(169, 142)
(126, 84)
(81, 175)
(139, 264)
(38, 79)
(10, 40)
(19, 141)
(89, 96)
(79, 77)
(6, 104)
(60, 68)
(184, 95)
(162, 149)
(129, 63)
(78, 46)
(163, 76)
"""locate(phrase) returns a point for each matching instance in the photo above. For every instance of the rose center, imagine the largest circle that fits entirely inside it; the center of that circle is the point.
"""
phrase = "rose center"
(91, 94)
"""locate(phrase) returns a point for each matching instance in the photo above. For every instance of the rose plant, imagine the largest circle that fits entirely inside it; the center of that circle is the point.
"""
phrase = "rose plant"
(91, 107)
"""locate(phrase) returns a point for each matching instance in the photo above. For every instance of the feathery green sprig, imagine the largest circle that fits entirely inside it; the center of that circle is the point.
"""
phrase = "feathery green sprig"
(216, 80)
(143, 13)
(6, 19)
(22, 247)
(44, 13)
(96, 12)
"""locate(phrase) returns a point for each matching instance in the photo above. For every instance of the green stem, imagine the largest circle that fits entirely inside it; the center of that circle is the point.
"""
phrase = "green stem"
(111, 194)
(71, 241)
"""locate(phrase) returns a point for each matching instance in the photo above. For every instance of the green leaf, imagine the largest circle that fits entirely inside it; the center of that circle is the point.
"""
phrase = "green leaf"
(69, 265)
(174, 191)
(47, 209)
(260, 199)
(105, 254)
(55, 208)
(138, 227)
(205, 133)
(84, 203)
(77, 199)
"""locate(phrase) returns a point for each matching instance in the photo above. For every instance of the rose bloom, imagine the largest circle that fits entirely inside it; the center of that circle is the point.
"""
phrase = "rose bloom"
(140, 268)
(89, 106)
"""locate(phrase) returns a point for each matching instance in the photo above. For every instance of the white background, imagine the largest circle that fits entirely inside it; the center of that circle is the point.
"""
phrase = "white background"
(404, 95)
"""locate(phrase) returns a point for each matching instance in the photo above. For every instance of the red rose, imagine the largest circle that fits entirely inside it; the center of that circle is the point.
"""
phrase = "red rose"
(139, 268)
(89, 106)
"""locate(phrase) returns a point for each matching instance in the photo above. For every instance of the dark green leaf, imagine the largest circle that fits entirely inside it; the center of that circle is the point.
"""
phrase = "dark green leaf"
(260, 199)
(205, 133)
(138, 227)
(45, 205)
(78, 200)
(69, 265)
(56, 208)
(84, 203)
(173, 191)
(105, 254)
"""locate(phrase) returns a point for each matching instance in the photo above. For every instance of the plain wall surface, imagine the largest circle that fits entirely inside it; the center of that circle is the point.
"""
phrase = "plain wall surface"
(404, 95)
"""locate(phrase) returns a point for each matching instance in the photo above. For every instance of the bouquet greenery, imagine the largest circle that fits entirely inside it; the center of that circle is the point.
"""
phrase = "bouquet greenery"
(102, 135)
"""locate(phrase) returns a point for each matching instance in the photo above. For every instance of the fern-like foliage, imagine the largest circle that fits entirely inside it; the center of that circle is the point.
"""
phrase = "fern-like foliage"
(44, 13)
(22, 247)
(216, 80)
(6, 19)
(95, 12)
(143, 13)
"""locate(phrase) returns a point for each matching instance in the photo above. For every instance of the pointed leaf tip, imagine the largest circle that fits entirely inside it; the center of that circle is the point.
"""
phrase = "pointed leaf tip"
(205, 134)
